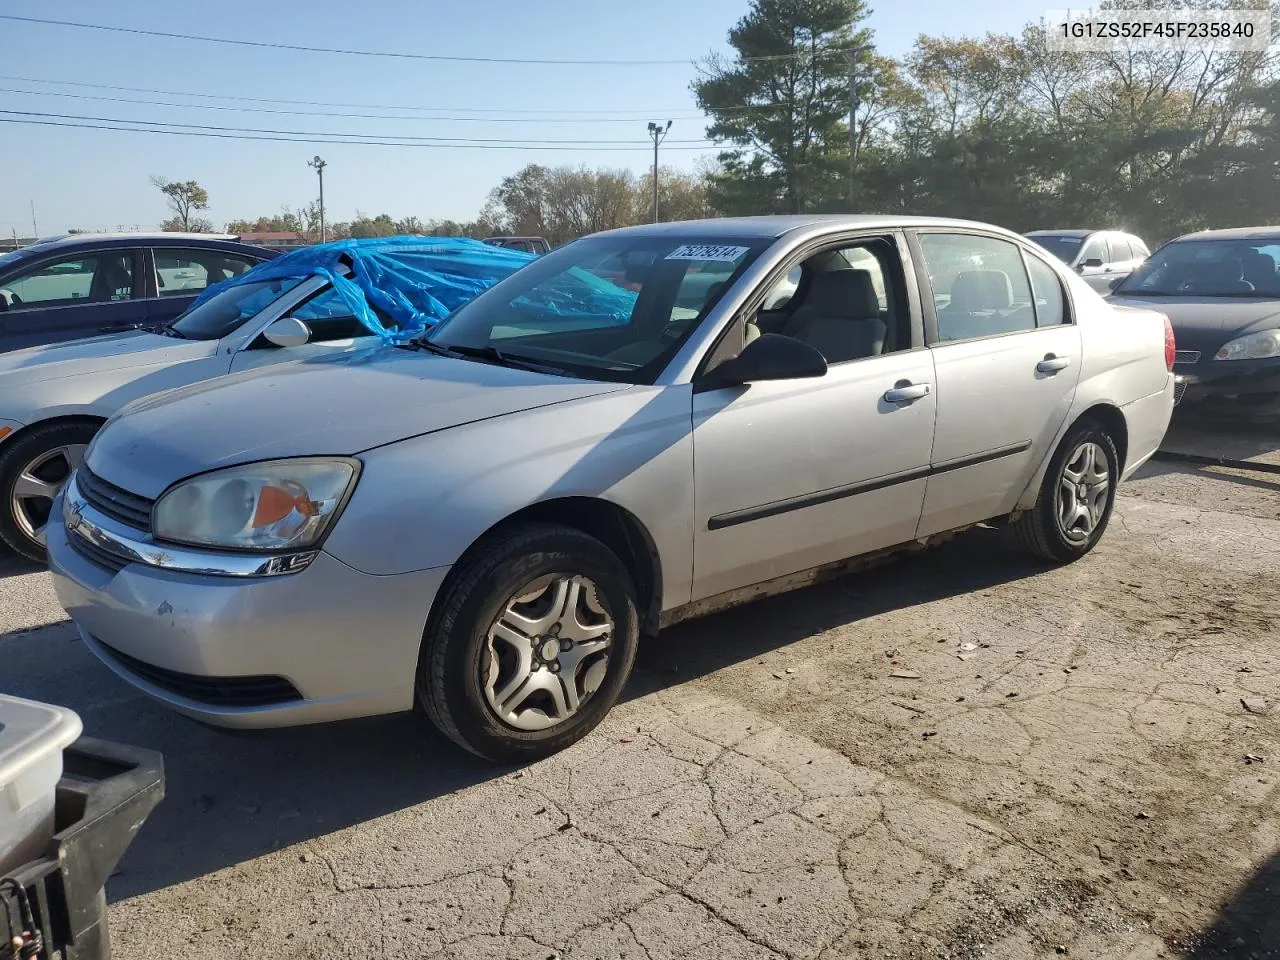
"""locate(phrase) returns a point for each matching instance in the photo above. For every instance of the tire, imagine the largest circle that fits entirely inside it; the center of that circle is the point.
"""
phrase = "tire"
(462, 670)
(45, 454)
(1042, 530)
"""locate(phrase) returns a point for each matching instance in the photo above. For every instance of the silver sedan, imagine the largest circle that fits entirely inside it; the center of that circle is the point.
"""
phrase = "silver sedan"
(488, 520)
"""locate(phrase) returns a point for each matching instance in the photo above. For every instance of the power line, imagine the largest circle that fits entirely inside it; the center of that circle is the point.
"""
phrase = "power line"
(370, 143)
(321, 113)
(631, 114)
(314, 133)
(373, 53)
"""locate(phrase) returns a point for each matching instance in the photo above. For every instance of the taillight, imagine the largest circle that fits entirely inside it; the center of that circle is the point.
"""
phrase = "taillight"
(1170, 345)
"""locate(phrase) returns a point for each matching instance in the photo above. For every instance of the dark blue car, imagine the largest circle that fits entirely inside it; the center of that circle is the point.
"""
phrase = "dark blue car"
(86, 284)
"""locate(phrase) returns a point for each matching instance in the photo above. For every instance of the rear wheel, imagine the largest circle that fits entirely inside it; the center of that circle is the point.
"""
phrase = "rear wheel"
(532, 644)
(33, 469)
(1076, 497)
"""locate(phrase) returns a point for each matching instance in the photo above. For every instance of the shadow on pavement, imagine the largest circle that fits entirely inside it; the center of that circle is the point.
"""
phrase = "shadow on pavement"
(973, 561)
(12, 565)
(1249, 925)
(232, 797)
(1160, 468)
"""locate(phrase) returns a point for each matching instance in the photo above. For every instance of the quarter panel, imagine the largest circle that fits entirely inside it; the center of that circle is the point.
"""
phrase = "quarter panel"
(421, 502)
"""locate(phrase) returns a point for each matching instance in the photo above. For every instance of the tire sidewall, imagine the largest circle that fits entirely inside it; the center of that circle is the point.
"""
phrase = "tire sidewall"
(14, 456)
(1085, 432)
(563, 552)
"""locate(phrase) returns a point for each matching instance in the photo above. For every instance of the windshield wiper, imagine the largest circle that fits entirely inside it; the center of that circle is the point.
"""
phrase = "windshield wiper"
(163, 329)
(487, 353)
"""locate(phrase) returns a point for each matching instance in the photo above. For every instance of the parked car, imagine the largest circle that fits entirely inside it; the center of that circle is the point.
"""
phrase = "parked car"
(1101, 257)
(488, 520)
(53, 399)
(76, 286)
(1221, 290)
(535, 245)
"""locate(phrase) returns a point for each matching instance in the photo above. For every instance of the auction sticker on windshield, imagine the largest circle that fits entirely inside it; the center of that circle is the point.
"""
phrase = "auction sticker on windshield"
(706, 251)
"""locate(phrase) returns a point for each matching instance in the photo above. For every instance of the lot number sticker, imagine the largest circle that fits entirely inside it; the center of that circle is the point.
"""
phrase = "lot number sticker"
(706, 251)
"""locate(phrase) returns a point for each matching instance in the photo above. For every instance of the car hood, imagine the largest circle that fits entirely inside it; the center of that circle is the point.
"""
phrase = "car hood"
(340, 405)
(92, 355)
(1207, 323)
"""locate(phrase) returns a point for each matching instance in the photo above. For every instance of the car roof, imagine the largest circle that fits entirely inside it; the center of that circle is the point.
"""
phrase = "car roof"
(1234, 233)
(772, 227)
(95, 241)
(1072, 232)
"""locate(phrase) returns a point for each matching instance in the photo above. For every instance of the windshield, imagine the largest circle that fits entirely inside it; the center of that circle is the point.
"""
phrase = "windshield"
(1062, 246)
(611, 308)
(1208, 268)
(224, 312)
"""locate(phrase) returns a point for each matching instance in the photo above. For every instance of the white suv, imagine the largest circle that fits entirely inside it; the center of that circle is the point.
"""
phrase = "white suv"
(1102, 257)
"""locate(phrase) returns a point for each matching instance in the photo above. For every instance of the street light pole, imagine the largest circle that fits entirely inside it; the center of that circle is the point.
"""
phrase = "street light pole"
(659, 133)
(319, 168)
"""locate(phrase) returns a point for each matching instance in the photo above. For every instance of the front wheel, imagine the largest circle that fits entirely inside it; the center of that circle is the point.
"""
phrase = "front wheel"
(33, 468)
(1076, 497)
(532, 644)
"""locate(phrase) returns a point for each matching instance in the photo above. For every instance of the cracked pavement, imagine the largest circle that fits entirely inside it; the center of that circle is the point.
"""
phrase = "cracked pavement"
(1067, 772)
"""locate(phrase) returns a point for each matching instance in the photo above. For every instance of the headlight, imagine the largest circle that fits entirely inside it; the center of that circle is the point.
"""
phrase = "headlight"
(1255, 346)
(276, 505)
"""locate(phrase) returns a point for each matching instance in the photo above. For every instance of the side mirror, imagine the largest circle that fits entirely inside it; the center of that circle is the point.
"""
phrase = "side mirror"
(287, 332)
(1114, 282)
(1092, 262)
(770, 356)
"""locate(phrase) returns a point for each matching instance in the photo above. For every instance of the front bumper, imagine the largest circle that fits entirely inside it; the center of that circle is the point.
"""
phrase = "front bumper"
(1231, 387)
(325, 643)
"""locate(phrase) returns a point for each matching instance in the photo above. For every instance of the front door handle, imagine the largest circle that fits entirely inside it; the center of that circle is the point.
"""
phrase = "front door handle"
(1052, 364)
(904, 391)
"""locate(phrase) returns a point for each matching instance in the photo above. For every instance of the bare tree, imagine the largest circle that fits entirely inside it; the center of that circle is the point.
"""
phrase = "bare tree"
(184, 198)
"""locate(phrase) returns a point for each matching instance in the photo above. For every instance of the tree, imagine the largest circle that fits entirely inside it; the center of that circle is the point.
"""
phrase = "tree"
(562, 203)
(184, 198)
(363, 227)
(681, 196)
(783, 100)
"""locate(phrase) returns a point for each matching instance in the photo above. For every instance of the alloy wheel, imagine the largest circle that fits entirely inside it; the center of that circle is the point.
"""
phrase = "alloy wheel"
(31, 499)
(1082, 491)
(547, 653)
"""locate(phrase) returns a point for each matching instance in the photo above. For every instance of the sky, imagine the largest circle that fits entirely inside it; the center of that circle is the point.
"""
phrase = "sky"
(99, 179)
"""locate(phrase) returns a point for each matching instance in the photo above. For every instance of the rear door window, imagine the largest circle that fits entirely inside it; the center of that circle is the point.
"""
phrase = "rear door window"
(980, 286)
(183, 272)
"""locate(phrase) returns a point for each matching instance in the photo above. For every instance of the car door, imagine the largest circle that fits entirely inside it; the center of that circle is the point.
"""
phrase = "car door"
(334, 329)
(1093, 263)
(177, 275)
(793, 474)
(71, 296)
(1006, 356)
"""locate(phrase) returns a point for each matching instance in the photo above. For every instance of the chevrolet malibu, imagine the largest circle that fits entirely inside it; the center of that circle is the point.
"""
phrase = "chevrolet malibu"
(487, 520)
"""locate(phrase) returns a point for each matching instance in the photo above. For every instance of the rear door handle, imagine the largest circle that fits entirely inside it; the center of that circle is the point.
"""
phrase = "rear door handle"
(904, 391)
(1052, 364)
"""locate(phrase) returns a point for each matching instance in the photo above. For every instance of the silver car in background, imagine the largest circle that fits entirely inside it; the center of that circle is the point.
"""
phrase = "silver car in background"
(489, 519)
(1103, 258)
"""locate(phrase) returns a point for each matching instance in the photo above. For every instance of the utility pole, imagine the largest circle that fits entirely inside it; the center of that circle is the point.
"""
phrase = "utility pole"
(35, 231)
(659, 133)
(853, 53)
(319, 167)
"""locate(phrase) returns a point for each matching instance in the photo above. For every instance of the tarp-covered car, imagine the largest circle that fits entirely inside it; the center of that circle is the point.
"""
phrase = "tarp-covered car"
(311, 302)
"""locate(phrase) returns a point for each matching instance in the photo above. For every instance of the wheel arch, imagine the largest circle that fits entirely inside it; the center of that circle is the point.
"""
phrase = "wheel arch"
(613, 525)
(1110, 416)
(87, 419)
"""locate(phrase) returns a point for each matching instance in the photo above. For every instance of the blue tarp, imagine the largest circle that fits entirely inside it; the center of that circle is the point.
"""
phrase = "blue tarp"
(413, 281)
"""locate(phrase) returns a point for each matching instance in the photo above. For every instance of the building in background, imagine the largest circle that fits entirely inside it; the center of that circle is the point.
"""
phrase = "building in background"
(275, 239)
